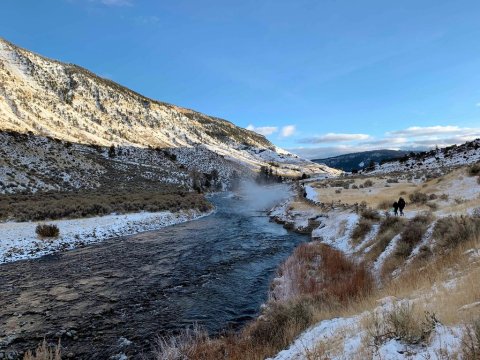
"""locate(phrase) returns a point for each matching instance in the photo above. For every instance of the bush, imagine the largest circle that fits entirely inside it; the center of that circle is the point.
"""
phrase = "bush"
(401, 323)
(370, 214)
(406, 326)
(385, 205)
(433, 206)
(279, 321)
(418, 198)
(471, 341)
(474, 169)
(413, 234)
(362, 228)
(368, 183)
(44, 352)
(47, 230)
(453, 230)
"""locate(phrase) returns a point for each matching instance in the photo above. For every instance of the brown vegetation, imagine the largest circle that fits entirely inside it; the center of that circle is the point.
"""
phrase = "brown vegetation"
(52, 206)
(325, 281)
(47, 230)
(44, 352)
(452, 230)
(389, 227)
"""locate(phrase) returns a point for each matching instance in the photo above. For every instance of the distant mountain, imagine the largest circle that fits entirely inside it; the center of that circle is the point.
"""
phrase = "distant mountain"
(52, 100)
(360, 160)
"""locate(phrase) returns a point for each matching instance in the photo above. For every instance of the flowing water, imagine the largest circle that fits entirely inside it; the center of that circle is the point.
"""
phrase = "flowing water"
(214, 271)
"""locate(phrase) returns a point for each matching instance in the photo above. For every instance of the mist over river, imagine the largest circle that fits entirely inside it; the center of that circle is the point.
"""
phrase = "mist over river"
(214, 271)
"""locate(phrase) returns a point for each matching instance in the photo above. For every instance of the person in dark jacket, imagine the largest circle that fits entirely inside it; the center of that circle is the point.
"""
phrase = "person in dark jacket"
(401, 205)
(395, 208)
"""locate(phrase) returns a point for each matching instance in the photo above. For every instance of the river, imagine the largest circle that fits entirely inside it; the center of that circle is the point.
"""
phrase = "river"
(214, 271)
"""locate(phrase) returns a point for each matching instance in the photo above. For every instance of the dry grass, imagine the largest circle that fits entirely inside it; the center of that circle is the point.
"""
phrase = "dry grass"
(323, 282)
(403, 322)
(53, 206)
(47, 230)
(471, 341)
(44, 352)
(474, 169)
(451, 231)
(389, 228)
(411, 235)
(363, 227)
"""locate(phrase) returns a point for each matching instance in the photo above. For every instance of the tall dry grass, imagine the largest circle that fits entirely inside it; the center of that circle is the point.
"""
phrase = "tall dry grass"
(44, 352)
(318, 283)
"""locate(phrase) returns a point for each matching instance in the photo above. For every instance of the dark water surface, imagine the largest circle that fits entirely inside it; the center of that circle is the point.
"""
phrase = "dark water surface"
(214, 271)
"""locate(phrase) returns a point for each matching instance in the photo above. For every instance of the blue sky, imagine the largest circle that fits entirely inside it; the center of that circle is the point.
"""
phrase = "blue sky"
(317, 77)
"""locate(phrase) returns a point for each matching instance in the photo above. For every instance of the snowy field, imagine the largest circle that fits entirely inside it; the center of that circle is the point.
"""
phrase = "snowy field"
(18, 240)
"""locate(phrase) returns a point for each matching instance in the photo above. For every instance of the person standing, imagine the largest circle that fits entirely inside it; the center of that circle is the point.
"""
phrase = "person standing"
(395, 208)
(401, 205)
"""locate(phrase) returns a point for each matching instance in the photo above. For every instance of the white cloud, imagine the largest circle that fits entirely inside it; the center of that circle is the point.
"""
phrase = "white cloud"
(117, 2)
(418, 131)
(288, 130)
(412, 138)
(263, 130)
(334, 137)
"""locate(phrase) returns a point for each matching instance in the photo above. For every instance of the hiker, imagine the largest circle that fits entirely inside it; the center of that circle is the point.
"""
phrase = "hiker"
(401, 205)
(395, 208)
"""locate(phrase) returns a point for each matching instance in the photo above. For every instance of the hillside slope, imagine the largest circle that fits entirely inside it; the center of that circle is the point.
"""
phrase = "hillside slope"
(64, 101)
(360, 160)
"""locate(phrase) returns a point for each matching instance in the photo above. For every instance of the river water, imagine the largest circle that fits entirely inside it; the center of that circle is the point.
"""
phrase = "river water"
(214, 271)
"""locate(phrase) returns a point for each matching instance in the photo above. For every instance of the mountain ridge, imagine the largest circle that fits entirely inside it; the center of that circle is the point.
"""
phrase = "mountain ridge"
(49, 98)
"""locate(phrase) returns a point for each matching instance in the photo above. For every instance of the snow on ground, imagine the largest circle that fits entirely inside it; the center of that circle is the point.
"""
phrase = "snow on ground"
(311, 193)
(335, 230)
(348, 338)
(18, 239)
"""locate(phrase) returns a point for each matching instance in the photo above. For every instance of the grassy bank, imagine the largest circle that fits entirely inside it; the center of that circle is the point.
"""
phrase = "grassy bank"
(68, 205)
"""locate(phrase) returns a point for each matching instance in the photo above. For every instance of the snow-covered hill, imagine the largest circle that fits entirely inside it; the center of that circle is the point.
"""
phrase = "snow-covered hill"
(434, 160)
(64, 101)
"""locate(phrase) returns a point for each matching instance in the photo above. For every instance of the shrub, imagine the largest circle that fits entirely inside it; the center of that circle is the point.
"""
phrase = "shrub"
(370, 214)
(362, 228)
(44, 352)
(474, 169)
(47, 230)
(385, 205)
(392, 181)
(402, 323)
(471, 341)
(444, 197)
(433, 206)
(278, 321)
(368, 183)
(406, 326)
(453, 230)
(413, 234)
(418, 197)
(338, 191)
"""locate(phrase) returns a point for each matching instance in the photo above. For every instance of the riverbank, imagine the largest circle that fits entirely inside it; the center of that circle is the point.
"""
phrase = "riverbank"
(370, 285)
(424, 302)
(18, 240)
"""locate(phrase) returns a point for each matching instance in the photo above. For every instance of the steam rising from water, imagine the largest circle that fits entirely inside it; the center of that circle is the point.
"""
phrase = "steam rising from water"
(263, 197)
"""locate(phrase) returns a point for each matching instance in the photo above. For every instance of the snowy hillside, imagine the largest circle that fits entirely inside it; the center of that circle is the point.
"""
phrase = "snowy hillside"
(434, 160)
(64, 101)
